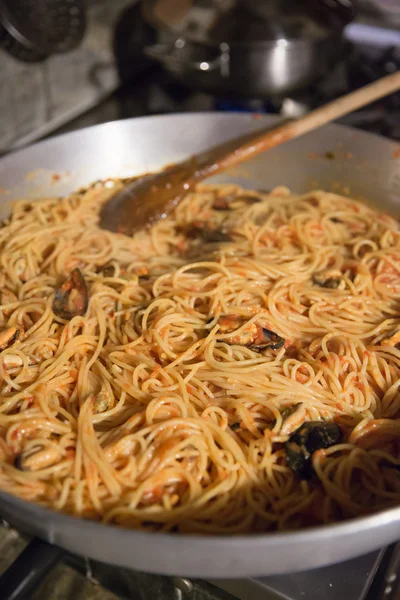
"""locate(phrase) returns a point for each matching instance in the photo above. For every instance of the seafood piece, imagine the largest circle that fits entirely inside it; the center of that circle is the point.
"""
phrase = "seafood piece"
(71, 298)
(37, 458)
(328, 278)
(253, 336)
(309, 437)
(9, 336)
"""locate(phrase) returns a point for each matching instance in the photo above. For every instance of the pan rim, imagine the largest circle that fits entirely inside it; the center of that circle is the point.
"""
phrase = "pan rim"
(237, 115)
(369, 522)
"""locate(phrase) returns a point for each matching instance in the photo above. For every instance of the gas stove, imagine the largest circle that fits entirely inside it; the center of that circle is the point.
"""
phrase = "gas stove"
(118, 81)
(370, 52)
(146, 89)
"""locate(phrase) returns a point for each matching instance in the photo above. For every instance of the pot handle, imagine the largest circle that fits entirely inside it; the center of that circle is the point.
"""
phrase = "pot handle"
(166, 53)
(334, 14)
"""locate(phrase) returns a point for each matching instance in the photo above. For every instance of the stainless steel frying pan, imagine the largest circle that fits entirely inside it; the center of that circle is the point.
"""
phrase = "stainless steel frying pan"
(335, 158)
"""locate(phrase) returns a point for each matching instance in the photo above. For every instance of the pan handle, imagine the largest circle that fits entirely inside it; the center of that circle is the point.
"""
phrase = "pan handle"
(167, 54)
(334, 14)
(28, 570)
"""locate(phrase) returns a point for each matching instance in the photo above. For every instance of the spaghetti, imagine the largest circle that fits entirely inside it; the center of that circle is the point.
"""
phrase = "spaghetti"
(233, 369)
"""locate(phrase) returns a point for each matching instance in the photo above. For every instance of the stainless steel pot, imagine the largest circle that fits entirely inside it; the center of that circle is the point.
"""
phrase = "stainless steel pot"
(260, 52)
(364, 165)
(257, 70)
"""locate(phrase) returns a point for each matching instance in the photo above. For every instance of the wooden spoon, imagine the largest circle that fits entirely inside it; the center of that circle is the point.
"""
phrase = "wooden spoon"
(152, 197)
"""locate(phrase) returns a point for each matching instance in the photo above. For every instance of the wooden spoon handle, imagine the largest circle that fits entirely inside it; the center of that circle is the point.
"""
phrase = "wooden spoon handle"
(230, 154)
(150, 198)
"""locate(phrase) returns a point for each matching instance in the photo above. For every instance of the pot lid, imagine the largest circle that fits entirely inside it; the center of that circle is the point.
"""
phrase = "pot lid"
(244, 21)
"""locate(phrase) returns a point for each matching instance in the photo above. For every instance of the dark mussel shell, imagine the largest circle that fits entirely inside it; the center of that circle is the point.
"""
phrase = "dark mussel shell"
(255, 337)
(214, 235)
(290, 410)
(19, 463)
(326, 282)
(35, 459)
(107, 270)
(72, 297)
(205, 233)
(225, 202)
(309, 437)
(9, 336)
(267, 339)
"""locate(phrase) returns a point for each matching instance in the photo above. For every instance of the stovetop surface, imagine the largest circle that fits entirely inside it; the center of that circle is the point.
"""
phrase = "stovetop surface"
(145, 88)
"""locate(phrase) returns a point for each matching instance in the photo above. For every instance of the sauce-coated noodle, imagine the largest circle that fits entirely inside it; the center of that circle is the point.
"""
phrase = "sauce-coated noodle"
(166, 400)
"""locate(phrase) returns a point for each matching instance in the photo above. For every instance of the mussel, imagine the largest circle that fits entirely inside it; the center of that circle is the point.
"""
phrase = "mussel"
(309, 437)
(72, 297)
(107, 270)
(231, 200)
(207, 234)
(328, 278)
(253, 336)
(36, 458)
(9, 336)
